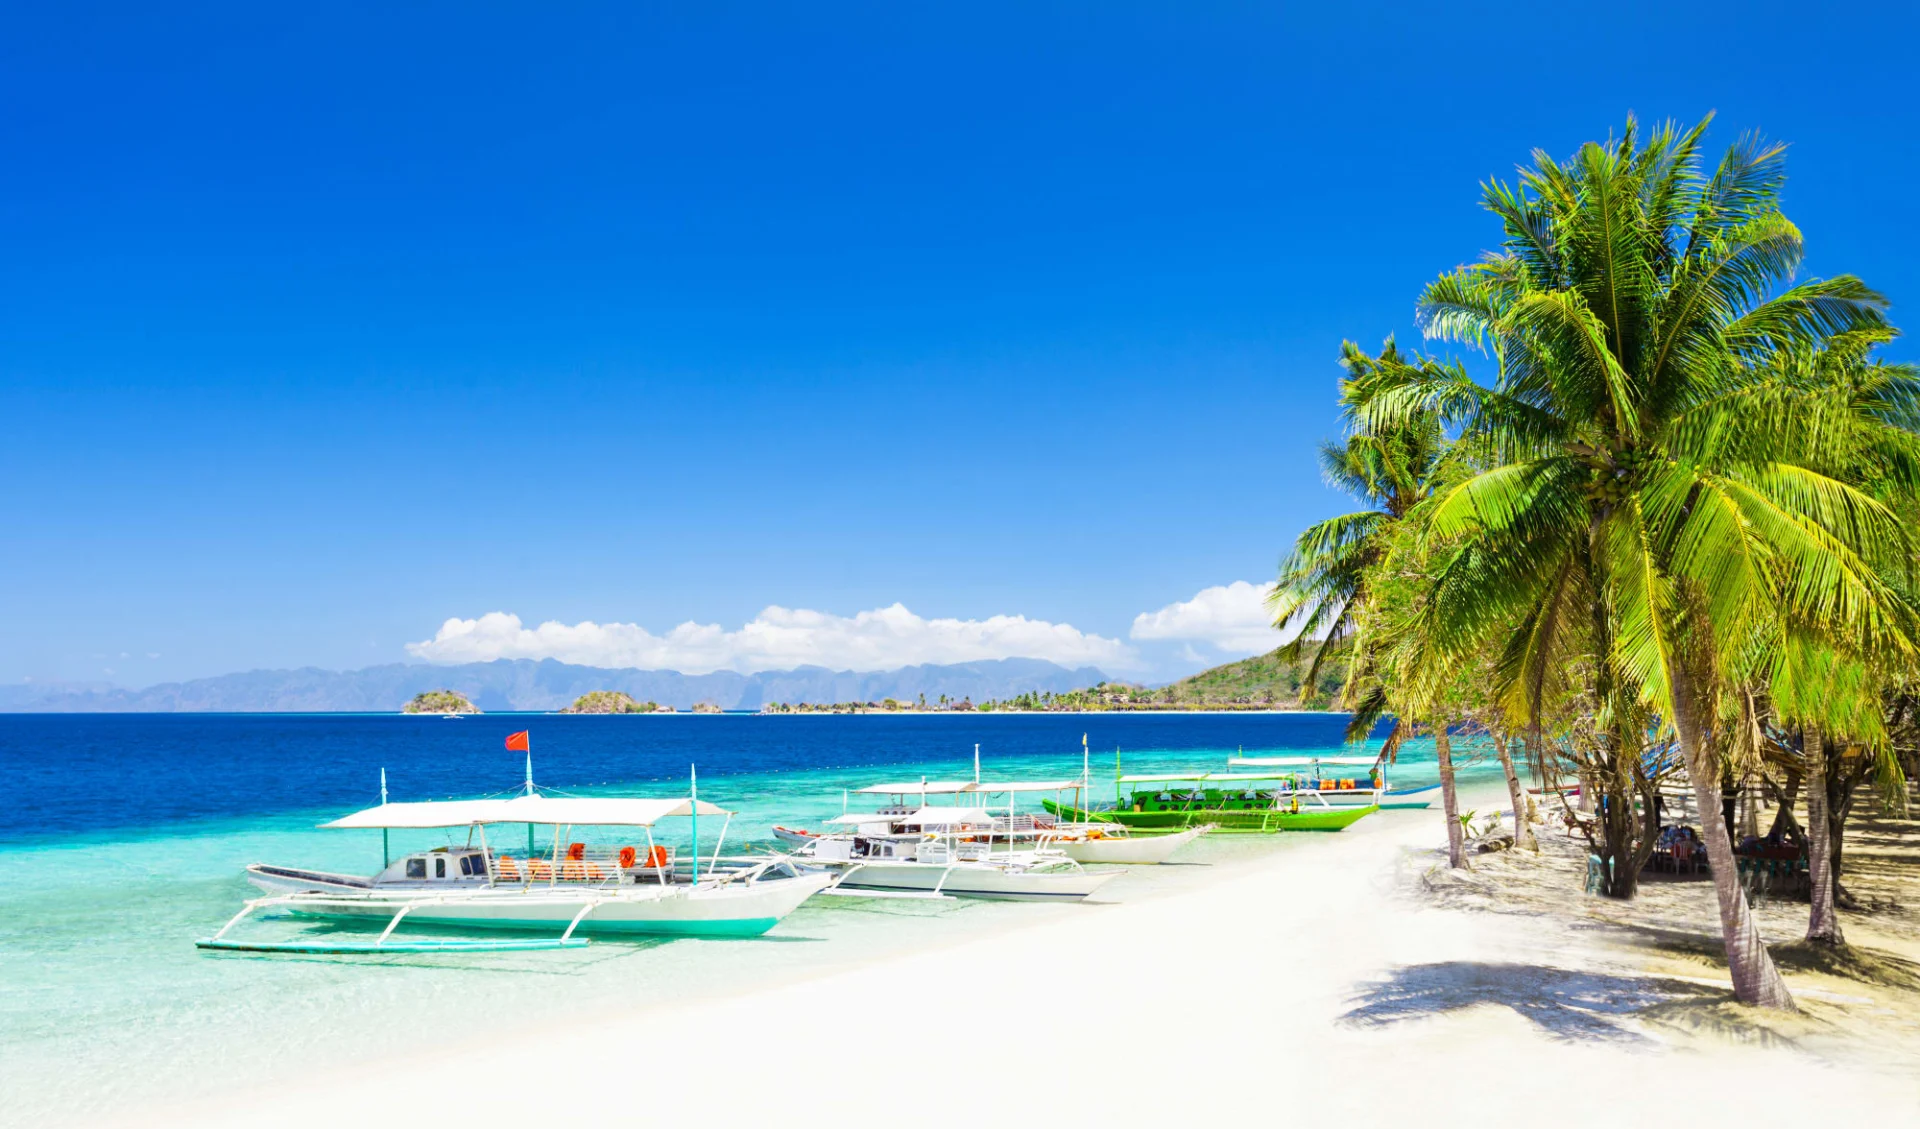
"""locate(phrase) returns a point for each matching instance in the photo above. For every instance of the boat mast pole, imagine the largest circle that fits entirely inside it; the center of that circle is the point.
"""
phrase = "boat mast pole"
(386, 853)
(1085, 798)
(486, 853)
(976, 762)
(693, 790)
(529, 791)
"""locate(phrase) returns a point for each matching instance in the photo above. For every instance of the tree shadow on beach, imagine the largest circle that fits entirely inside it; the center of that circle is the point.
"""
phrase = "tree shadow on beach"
(1862, 964)
(1568, 1005)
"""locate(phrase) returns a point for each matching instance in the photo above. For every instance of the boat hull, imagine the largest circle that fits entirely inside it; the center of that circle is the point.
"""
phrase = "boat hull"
(1256, 821)
(1132, 850)
(289, 880)
(962, 881)
(743, 910)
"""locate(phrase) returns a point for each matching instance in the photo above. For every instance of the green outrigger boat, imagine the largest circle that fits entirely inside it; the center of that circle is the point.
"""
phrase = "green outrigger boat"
(1232, 801)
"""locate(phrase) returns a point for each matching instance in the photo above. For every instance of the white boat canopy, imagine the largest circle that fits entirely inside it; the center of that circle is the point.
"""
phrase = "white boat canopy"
(582, 811)
(1027, 786)
(863, 818)
(1298, 762)
(928, 815)
(924, 816)
(916, 788)
(1206, 777)
(962, 787)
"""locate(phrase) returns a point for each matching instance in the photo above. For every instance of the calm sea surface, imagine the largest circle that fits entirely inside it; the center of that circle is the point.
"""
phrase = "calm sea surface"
(124, 837)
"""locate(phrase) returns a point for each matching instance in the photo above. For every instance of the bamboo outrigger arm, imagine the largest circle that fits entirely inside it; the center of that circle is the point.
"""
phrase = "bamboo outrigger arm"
(384, 944)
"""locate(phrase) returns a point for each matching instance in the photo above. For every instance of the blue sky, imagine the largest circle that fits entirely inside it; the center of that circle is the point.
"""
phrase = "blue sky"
(322, 326)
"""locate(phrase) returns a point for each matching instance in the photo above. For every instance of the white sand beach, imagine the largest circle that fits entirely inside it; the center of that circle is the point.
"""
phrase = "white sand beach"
(1320, 980)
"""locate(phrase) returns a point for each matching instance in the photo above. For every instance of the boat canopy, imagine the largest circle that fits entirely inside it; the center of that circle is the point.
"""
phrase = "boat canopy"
(1027, 786)
(862, 818)
(1206, 777)
(1298, 762)
(965, 787)
(923, 816)
(916, 788)
(583, 811)
(947, 815)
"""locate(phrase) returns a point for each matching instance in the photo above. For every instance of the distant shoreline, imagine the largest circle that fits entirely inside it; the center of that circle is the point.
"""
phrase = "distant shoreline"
(676, 713)
(1031, 713)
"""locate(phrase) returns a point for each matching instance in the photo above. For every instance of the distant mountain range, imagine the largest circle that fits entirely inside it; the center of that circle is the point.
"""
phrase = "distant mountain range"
(524, 684)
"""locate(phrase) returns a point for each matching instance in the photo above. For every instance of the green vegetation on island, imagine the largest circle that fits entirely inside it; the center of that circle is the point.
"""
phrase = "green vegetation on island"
(609, 701)
(439, 701)
(1264, 682)
(885, 705)
(1276, 680)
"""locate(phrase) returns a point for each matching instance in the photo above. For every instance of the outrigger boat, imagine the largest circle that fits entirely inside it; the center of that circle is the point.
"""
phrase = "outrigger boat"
(1238, 802)
(1105, 843)
(1373, 790)
(625, 890)
(1099, 842)
(910, 848)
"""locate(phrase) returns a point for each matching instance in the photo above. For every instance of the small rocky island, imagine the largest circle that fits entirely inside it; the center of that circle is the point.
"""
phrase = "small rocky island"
(609, 701)
(439, 701)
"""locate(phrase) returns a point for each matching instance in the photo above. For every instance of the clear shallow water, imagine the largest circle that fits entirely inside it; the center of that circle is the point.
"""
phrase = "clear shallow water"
(127, 836)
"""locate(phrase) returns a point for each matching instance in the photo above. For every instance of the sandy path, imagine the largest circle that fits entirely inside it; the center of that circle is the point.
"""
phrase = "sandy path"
(1309, 984)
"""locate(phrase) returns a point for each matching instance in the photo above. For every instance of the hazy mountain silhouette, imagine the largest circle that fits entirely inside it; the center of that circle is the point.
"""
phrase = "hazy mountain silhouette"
(526, 684)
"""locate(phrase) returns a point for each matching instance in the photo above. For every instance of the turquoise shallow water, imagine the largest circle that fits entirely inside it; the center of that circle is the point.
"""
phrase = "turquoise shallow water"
(105, 1002)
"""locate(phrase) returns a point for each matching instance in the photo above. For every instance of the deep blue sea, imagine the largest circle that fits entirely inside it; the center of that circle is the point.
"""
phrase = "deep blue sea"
(125, 836)
(87, 774)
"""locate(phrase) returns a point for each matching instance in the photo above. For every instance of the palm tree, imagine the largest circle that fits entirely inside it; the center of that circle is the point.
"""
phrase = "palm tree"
(1408, 670)
(1322, 592)
(1639, 517)
(1322, 583)
(1861, 418)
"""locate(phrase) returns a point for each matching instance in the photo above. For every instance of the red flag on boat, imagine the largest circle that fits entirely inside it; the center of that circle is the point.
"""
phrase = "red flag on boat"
(518, 742)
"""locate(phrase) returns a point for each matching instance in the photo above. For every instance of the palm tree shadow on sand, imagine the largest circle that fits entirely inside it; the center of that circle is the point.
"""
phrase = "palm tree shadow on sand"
(1568, 1005)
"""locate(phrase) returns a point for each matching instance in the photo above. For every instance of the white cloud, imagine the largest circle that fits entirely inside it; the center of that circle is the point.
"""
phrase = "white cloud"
(1232, 617)
(777, 639)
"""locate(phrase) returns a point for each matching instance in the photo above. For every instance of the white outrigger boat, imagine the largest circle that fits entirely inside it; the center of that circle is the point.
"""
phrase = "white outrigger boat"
(1349, 792)
(1100, 841)
(909, 848)
(1117, 844)
(626, 890)
(1111, 844)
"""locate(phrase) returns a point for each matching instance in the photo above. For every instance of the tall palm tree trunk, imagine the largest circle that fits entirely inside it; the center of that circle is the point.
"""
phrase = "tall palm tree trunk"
(1755, 979)
(1823, 925)
(1840, 789)
(1449, 798)
(1522, 830)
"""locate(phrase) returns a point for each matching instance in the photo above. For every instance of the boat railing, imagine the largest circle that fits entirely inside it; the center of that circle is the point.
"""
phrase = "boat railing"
(596, 867)
(1022, 824)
